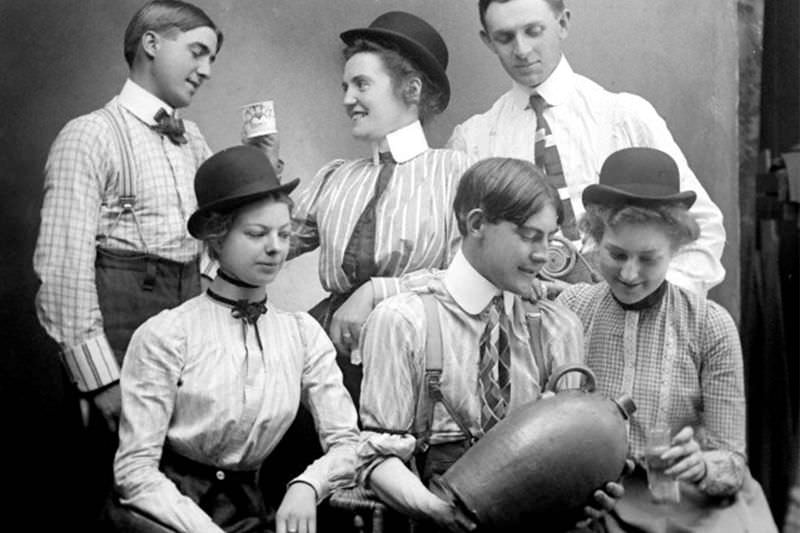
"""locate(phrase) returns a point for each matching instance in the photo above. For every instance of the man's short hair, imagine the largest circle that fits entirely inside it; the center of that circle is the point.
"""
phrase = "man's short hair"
(164, 16)
(504, 188)
(556, 5)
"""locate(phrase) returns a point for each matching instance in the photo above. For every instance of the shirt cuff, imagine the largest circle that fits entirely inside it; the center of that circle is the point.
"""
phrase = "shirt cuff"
(91, 365)
(320, 489)
(383, 288)
(725, 472)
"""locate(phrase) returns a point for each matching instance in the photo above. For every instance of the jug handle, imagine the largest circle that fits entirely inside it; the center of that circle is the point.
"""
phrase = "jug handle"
(559, 372)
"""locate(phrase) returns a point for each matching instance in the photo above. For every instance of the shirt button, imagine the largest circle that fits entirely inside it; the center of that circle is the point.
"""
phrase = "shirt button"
(220, 475)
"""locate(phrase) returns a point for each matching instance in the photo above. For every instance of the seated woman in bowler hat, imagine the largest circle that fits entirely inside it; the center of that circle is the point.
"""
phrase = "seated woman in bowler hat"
(210, 387)
(389, 213)
(676, 353)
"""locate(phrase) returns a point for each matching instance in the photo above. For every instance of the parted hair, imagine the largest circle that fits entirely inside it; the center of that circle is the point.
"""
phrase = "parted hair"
(401, 69)
(673, 218)
(163, 17)
(504, 188)
(556, 5)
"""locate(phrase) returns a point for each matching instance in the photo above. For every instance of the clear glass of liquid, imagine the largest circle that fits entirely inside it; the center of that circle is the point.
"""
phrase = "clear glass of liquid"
(663, 488)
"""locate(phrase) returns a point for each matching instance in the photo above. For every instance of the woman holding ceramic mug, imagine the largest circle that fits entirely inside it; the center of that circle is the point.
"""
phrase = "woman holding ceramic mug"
(388, 213)
(210, 387)
(676, 353)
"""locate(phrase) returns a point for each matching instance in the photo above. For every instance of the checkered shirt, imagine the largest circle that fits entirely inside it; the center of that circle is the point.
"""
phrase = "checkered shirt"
(707, 386)
(78, 213)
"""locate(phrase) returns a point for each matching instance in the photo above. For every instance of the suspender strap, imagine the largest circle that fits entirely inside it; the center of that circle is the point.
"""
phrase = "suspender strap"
(127, 195)
(431, 389)
(128, 170)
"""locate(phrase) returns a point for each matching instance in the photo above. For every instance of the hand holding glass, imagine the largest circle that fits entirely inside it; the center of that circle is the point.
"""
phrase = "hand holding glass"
(663, 488)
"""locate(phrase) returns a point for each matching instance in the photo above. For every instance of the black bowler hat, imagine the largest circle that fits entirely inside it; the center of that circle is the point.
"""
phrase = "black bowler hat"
(230, 179)
(415, 37)
(638, 176)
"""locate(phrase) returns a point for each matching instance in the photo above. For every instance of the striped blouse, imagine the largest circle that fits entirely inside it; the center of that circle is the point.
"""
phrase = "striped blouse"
(196, 379)
(416, 227)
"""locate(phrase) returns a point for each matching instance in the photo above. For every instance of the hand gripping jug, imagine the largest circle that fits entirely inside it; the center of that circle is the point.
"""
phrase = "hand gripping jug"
(540, 466)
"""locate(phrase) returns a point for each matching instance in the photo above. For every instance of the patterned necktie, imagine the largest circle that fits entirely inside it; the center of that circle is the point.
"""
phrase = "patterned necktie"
(495, 385)
(547, 159)
(171, 126)
(358, 262)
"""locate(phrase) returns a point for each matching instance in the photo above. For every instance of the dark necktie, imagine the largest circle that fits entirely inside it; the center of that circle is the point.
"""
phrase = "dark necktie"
(548, 160)
(171, 126)
(495, 385)
(358, 262)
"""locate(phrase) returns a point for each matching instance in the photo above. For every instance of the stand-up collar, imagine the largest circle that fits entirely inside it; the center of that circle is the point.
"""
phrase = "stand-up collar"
(471, 291)
(555, 89)
(143, 104)
(405, 143)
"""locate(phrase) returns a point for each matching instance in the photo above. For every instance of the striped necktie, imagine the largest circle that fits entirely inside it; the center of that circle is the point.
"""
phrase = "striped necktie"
(548, 160)
(358, 262)
(494, 366)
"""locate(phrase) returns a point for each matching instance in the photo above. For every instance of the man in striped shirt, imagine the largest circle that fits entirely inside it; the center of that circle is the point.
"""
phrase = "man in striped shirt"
(506, 215)
(113, 248)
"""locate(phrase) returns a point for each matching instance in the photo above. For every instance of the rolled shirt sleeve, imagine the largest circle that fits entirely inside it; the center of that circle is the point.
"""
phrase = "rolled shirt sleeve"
(392, 371)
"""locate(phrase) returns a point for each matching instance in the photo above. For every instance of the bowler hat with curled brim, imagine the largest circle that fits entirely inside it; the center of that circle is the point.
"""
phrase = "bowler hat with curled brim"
(414, 37)
(638, 176)
(232, 178)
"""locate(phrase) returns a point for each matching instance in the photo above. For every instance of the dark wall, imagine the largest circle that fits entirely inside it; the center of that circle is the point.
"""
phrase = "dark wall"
(61, 59)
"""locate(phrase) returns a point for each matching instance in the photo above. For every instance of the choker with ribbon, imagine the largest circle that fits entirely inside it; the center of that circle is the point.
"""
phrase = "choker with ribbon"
(234, 281)
(245, 310)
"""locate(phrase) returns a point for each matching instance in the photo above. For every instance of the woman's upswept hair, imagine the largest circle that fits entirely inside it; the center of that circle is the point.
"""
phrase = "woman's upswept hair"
(504, 188)
(216, 225)
(402, 69)
(674, 218)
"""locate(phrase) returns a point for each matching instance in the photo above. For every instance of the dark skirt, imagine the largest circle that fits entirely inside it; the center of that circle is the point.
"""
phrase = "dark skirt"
(232, 499)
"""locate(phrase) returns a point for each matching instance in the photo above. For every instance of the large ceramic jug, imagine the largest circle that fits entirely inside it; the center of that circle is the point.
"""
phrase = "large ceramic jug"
(540, 466)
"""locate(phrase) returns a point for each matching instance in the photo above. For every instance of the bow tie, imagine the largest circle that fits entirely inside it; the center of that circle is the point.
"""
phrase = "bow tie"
(249, 311)
(171, 126)
(244, 309)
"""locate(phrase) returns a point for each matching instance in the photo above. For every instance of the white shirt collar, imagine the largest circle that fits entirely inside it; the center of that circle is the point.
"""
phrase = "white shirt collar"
(405, 143)
(555, 89)
(142, 103)
(471, 291)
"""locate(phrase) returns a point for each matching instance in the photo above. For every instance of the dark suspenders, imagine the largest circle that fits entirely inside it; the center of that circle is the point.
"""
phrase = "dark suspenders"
(431, 388)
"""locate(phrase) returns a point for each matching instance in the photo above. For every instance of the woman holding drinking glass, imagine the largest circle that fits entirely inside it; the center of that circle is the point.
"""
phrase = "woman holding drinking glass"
(676, 353)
